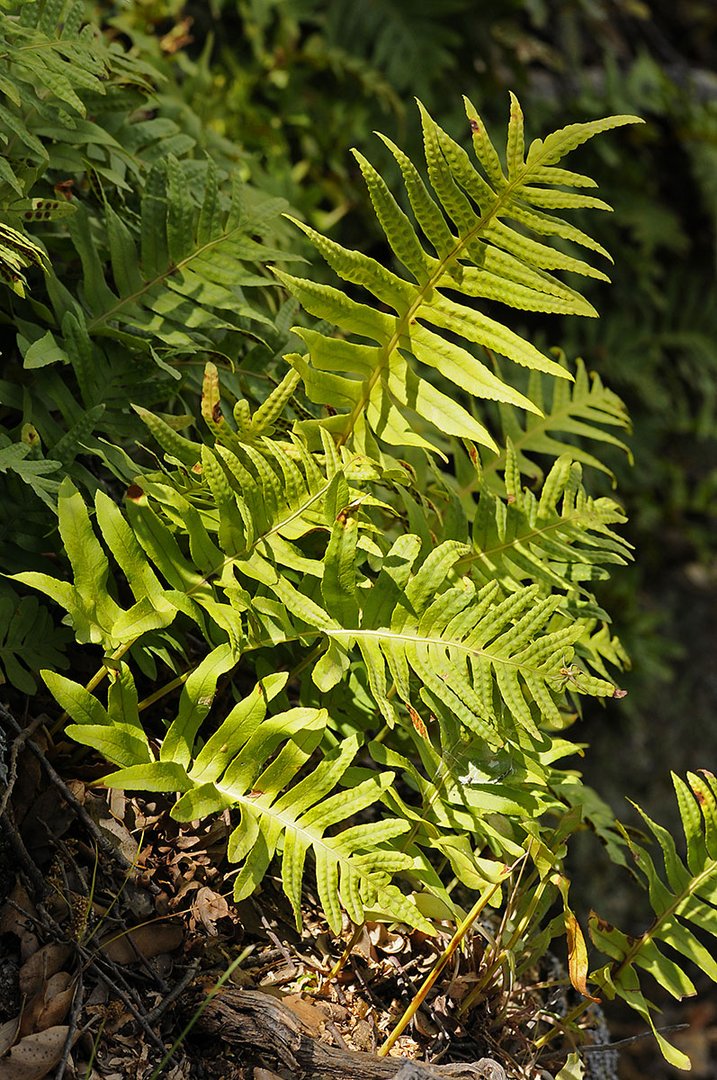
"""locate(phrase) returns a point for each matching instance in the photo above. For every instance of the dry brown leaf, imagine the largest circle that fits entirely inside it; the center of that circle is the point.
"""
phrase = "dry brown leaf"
(138, 900)
(394, 944)
(312, 1017)
(120, 837)
(117, 803)
(364, 946)
(79, 790)
(50, 1007)
(424, 1025)
(39, 967)
(35, 1055)
(118, 834)
(208, 907)
(459, 986)
(149, 940)
(362, 1036)
(16, 917)
(8, 1034)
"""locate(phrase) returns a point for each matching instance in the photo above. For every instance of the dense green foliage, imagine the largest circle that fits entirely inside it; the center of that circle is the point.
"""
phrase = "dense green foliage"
(352, 591)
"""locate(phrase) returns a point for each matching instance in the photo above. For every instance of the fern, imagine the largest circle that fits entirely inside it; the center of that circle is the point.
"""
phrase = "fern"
(419, 635)
(581, 411)
(463, 644)
(251, 762)
(53, 66)
(21, 460)
(28, 640)
(563, 539)
(476, 255)
(179, 273)
(125, 256)
(457, 640)
(166, 261)
(684, 913)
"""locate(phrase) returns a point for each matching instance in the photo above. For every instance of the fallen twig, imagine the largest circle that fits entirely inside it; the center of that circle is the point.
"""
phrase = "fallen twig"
(72, 1022)
(269, 1035)
(171, 996)
(15, 746)
(102, 842)
(21, 853)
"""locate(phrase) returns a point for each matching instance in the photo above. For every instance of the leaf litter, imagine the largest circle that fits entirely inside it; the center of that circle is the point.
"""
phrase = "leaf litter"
(134, 924)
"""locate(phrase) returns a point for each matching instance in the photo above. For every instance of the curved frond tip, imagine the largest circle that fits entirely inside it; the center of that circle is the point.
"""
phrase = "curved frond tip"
(476, 231)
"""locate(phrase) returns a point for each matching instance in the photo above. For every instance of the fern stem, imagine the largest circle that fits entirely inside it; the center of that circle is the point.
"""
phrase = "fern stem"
(566, 1024)
(342, 960)
(94, 325)
(95, 681)
(164, 690)
(498, 954)
(460, 933)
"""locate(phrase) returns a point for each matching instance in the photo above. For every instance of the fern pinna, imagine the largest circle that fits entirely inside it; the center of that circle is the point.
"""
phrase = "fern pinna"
(412, 625)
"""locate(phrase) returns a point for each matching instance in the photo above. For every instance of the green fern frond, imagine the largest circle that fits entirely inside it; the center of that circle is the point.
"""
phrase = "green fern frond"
(582, 410)
(562, 539)
(469, 649)
(178, 277)
(467, 251)
(238, 516)
(683, 900)
(251, 763)
(461, 782)
(96, 617)
(29, 640)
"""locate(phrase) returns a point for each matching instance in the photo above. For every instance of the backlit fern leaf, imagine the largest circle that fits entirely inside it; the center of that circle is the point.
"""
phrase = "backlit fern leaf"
(683, 901)
(471, 651)
(563, 539)
(204, 537)
(251, 763)
(467, 251)
(582, 410)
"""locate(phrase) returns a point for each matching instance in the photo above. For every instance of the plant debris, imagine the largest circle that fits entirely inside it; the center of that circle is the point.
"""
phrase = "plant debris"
(112, 948)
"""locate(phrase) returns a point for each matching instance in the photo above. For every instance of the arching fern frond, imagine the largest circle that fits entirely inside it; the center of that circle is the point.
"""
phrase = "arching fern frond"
(683, 901)
(202, 538)
(460, 248)
(428, 629)
(179, 273)
(264, 766)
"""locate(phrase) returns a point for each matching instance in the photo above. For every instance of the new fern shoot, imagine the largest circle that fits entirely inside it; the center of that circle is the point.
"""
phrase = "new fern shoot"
(390, 559)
